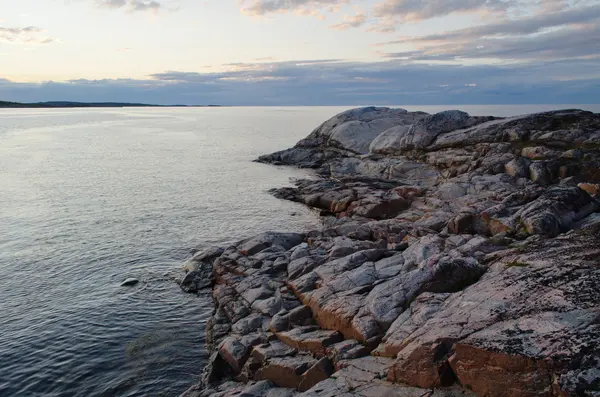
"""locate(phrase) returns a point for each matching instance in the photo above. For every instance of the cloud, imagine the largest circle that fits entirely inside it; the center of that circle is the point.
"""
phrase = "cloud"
(306, 7)
(132, 5)
(351, 21)
(140, 5)
(335, 82)
(559, 45)
(415, 10)
(24, 35)
(112, 3)
(525, 26)
(568, 34)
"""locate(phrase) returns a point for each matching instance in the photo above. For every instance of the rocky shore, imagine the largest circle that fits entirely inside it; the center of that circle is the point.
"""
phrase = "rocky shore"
(459, 256)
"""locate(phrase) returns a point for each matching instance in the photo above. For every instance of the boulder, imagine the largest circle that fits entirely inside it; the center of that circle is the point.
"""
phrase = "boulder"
(263, 241)
(518, 168)
(310, 339)
(197, 279)
(130, 282)
(292, 372)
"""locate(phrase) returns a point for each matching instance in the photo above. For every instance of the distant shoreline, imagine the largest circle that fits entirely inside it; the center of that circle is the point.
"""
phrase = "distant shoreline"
(66, 105)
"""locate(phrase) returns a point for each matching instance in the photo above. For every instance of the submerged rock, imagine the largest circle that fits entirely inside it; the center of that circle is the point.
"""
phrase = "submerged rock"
(130, 282)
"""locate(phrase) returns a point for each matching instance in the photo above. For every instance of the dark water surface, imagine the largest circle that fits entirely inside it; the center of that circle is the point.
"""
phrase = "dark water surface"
(89, 197)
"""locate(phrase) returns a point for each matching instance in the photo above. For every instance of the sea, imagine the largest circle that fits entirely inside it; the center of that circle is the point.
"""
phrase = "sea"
(91, 197)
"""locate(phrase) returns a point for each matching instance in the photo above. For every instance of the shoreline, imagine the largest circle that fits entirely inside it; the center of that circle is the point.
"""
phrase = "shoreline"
(459, 256)
(75, 105)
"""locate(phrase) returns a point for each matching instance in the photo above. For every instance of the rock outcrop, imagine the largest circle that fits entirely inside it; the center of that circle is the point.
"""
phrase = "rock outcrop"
(459, 256)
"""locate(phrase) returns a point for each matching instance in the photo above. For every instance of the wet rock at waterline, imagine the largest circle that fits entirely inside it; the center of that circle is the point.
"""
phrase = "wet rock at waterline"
(459, 256)
(130, 282)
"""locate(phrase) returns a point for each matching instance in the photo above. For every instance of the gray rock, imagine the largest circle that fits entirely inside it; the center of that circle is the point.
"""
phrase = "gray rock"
(347, 350)
(198, 279)
(518, 168)
(272, 349)
(556, 210)
(263, 241)
(424, 132)
(284, 321)
(540, 174)
(354, 129)
(390, 141)
(130, 282)
(234, 352)
(252, 323)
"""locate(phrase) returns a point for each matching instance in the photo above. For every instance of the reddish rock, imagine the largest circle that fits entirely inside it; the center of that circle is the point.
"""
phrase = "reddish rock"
(309, 339)
(592, 189)
(300, 372)
(495, 374)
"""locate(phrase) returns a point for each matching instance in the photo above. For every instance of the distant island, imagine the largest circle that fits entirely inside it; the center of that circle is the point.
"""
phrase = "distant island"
(62, 104)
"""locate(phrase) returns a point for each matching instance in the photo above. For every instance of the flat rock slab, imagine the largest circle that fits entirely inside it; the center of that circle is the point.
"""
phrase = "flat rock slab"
(346, 383)
(300, 372)
(232, 389)
(346, 350)
(271, 350)
(314, 341)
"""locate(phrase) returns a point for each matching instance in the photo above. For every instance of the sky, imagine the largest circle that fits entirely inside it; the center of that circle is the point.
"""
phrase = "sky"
(301, 52)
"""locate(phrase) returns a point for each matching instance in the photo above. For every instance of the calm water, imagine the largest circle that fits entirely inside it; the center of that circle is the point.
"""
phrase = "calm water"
(91, 197)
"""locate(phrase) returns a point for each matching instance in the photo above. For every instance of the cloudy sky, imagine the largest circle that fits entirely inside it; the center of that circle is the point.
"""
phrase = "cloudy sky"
(301, 52)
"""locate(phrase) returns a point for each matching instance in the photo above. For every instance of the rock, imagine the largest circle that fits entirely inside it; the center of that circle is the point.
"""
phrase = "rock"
(539, 153)
(461, 252)
(286, 371)
(461, 224)
(588, 222)
(311, 340)
(315, 374)
(254, 322)
(256, 244)
(235, 353)
(299, 316)
(259, 389)
(347, 350)
(491, 335)
(197, 280)
(273, 349)
(363, 378)
(350, 131)
(390, 141)
(130, 282)
(518, 168)
(540, 174)
(556, 210)
(208, 256)
(424, 132)
(593, 189)
(354, 130)
(419, 312)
